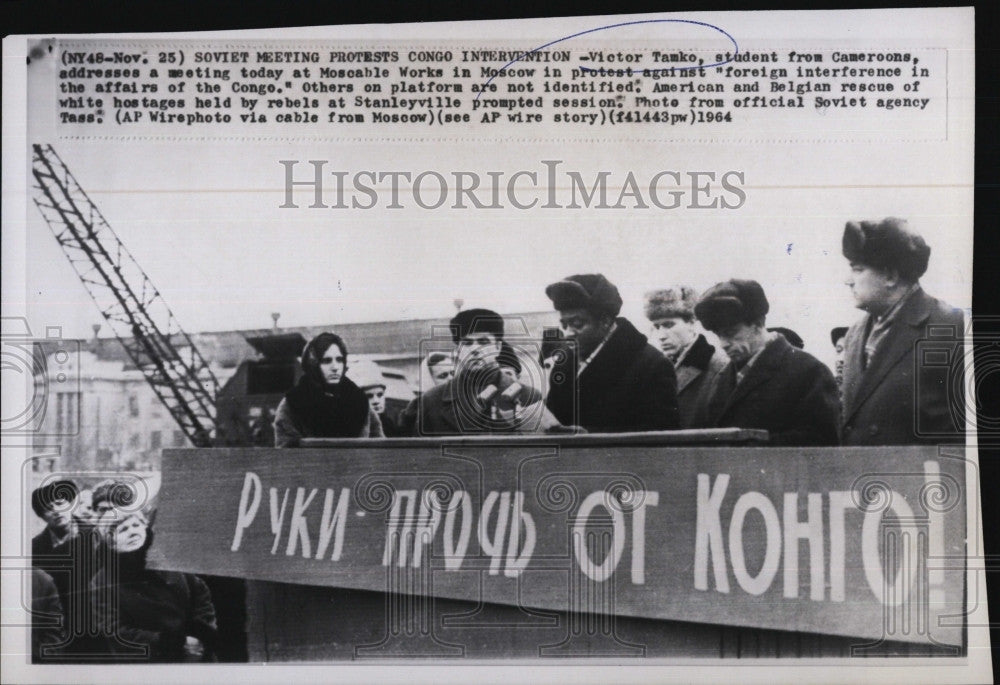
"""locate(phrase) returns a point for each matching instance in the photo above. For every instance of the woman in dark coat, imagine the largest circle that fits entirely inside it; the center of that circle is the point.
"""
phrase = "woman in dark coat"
(325, 403)
(155, 616)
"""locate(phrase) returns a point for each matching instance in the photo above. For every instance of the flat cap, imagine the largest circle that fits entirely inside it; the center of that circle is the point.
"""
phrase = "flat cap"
(366, 374)
(678, 301)
(730, 303)
(585, 291)
(793, 338)
(472, 321)
(887, 244)
(42, 498)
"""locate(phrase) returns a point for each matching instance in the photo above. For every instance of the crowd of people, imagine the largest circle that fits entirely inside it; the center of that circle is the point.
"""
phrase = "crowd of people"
(95, 599)
(601, 374)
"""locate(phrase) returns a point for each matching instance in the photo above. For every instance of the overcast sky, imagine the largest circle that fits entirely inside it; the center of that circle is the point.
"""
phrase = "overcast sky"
(203, 220)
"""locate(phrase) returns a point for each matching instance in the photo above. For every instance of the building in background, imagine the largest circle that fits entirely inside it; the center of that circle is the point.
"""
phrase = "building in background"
(112, 419)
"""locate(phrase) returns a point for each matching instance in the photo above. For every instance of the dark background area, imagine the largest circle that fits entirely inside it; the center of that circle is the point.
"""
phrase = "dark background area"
(52, 17)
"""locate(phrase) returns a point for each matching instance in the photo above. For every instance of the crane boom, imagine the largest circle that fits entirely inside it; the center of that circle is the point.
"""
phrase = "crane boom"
(130, 303)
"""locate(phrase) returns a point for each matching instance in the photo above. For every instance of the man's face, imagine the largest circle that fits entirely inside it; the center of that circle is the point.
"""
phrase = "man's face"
(376, 397)
(84, 511)
(739, 341)
(130, 534)
(59, 515)
(331, 365)
(476, 352)
(872, 288)
(674, 335)
(510, 372)
(443, 371)
(585, 328)
(838, 361)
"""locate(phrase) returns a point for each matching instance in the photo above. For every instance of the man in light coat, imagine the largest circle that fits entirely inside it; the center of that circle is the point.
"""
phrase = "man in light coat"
(696, 362)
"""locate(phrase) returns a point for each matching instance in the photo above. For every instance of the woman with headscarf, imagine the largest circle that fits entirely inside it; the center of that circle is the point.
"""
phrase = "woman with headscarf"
(156, 616)
(325, 403)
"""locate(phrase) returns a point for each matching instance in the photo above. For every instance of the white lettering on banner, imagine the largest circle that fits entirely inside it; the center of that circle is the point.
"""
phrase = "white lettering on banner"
(517, 559)
(900, 545)
(428, 521)
(247, 508)
(587, 565)
(454, 553)
(772, 551)
(898, 591)
(812, 531)
(708, 533)
(644, 499)
(396, 535)
(840, 502)
(494, 547)
(297, 529)
(935, 534)
(333, 520)
(277, 516)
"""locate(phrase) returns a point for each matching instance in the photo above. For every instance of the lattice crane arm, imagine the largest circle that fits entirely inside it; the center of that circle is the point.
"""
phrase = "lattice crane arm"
(127, 299)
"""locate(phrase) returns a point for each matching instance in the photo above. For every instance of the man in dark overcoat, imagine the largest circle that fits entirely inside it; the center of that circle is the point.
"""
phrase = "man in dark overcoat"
(903, 360)
(613, 380)
(768, 384)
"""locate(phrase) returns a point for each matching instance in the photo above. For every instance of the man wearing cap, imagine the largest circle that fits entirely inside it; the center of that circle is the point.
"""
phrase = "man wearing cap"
(367, 375)
(614, 381)
(66, 551)
(887, 401)
(837, 336)
(480, 398)
(696, 362)
(768, 383)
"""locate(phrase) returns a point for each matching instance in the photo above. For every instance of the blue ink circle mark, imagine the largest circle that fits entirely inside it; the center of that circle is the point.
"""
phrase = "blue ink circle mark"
(615, 26)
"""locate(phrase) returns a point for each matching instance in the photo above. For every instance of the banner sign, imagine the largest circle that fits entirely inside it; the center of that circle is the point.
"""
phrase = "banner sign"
(864, 542)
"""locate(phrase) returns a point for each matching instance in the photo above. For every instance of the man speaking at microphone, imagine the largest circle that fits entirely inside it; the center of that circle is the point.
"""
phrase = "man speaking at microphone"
(481, 398)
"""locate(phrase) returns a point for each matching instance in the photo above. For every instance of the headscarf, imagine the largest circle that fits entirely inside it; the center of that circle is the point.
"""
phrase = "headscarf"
(324, 410)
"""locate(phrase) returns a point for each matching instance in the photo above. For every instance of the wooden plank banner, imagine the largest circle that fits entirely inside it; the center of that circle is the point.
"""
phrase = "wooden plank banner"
(860, 542)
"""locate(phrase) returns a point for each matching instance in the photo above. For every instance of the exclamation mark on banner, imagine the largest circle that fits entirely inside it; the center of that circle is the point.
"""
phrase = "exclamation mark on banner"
(934, 499)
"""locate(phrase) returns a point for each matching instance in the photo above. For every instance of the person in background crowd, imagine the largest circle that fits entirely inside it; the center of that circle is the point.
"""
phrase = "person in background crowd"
(887, 401)
(768, 383)
(438, 368)
(480, 398)
(325, 403)
(156, 616)
(67, 550)
(615, 381)
(48, 622)
(837, 338)
(696, 362)
(793, 338)
(368, 376)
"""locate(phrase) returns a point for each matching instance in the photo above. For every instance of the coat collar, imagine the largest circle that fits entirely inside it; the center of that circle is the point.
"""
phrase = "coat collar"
(771, 360)
(696, 360)
(904, 333)
(625, 343)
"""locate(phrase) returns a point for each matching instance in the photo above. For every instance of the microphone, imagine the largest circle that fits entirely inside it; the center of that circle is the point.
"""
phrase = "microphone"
(511, 392)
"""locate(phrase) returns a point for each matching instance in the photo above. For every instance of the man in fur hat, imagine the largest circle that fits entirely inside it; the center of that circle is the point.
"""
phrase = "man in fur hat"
(888, 398)
(614, 381)
(481, 398)
(768, 383)
(696, 362)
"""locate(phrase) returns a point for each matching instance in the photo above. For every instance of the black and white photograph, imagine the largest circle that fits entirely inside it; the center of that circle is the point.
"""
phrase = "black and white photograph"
(600, 348)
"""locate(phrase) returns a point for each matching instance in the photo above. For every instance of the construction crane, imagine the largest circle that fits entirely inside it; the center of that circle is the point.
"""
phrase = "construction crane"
(128, 300)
